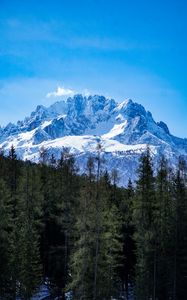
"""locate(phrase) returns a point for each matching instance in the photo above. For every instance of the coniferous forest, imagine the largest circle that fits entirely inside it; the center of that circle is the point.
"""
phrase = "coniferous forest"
(84, 237)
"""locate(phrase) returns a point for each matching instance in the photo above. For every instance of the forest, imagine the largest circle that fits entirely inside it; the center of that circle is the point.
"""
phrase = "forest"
(86, 238)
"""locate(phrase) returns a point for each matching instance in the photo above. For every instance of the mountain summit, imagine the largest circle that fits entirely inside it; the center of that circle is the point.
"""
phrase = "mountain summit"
(124, 130)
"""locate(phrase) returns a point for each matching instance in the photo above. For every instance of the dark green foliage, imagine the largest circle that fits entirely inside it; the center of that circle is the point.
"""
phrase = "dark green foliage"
(85, 235)
(60, 190)
(98, 247)
(180, 234)
(28, 226)
(127, 267)
(164, 238)
(145, 234)
(20, 212)
(5, 240)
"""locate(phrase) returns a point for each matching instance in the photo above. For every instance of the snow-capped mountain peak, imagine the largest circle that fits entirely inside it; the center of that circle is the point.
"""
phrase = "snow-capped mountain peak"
(79, 122)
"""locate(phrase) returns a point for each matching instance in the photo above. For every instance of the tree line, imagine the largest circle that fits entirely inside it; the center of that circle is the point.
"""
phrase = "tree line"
(85, 237)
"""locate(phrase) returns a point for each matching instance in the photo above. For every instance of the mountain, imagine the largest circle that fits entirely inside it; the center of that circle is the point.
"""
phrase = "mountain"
(79, 123)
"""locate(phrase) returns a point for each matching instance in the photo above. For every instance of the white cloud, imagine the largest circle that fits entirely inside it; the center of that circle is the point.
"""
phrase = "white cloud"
(86, 92)
(61, 91)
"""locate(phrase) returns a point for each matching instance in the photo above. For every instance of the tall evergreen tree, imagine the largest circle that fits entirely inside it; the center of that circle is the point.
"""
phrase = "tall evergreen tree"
(179, 289)
(144, 213)
(81, 263)
(86, 255)
(164, 236)
(28, 228)
(128, 229)
(5, 241)
(12, 177)
(51, 236)
(60, 189)
(67, 204)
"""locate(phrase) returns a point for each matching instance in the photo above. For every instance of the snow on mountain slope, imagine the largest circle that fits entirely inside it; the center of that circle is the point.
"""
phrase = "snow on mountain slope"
(79, 123)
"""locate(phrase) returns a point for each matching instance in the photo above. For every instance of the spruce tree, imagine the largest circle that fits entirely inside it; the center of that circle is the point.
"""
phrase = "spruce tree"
(67, 204)
(144, 214)
(179, 288)
(60, 189)
(12, 177)
(164, 236)
(81, 262)
(5, 241)
(128, 229)
(93, 215)
(51, 236)
(28, 226)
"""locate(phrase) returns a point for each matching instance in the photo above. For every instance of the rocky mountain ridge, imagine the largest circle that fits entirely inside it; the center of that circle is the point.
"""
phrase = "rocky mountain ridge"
(79, 123)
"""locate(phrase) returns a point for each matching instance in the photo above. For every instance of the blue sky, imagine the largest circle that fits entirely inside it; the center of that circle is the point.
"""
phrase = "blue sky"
(122, 49)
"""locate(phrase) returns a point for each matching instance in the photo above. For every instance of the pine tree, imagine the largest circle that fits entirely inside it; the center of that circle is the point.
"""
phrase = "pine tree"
(12, 176)
(82, 263)
(60, 188)
(111, 254)
(179, 289)
(5, 241)
(51, 236)
(164, 236)
(3, 165)
(28, 225)
(32, 198)
(85, 256)
(67, 204)
(144, 213)
(128, 229)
